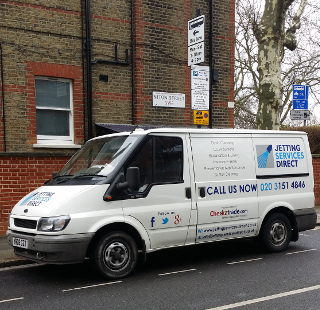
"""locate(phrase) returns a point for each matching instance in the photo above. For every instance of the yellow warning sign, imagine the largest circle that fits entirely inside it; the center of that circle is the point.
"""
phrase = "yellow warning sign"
(200, 117)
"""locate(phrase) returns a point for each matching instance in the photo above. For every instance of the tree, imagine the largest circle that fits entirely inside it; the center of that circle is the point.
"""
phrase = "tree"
(271, 56)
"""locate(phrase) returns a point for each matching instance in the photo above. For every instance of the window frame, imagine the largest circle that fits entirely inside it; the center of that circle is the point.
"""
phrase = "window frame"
(50, 139)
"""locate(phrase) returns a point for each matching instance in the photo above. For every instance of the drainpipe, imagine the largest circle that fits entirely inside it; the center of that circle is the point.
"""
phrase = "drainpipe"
(89, 68)
(2, 96)
(210, 62)
(132, 64)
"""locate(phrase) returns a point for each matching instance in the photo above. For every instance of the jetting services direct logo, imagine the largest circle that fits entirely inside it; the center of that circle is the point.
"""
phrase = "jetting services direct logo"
(265, 156)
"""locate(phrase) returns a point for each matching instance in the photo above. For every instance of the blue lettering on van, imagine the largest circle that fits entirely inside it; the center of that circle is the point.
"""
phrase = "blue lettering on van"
(231, 189)
(24, 202)
(37, 198)
(216, 190)
(288, 155)
(248, 188)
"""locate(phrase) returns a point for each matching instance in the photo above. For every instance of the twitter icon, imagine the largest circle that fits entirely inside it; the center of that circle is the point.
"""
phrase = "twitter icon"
(165, 221)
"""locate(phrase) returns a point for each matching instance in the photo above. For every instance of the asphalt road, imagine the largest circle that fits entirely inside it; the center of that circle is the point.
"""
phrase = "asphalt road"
(224, 275)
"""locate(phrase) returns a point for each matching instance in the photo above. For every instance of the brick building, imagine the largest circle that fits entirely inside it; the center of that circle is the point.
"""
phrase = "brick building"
(50, 49)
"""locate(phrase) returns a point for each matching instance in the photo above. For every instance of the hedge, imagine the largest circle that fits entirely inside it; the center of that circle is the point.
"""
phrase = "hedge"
(313, 136)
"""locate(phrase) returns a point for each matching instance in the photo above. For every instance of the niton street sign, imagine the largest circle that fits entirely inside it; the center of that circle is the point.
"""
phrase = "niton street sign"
(196, 40)
(300, 97)
(168, 100)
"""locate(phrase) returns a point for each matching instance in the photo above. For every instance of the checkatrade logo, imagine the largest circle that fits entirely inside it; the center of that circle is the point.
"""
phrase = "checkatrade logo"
(265, 156)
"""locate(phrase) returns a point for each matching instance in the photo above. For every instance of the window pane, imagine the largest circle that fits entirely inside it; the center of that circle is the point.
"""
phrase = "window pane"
(52, 94)
(168, 159)
(53, 123)
(143, 160)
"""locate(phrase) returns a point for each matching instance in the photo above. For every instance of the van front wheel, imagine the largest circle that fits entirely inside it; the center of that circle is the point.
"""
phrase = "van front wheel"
(116, 255)
(276, 233)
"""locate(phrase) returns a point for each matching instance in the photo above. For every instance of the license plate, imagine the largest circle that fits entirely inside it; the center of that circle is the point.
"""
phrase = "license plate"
(20, 243)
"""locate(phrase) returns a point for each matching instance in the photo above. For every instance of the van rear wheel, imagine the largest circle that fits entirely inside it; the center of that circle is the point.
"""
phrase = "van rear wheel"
(276, 233)
(116, 255)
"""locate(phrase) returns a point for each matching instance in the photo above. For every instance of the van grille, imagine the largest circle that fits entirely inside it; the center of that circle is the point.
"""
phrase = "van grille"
(29, 224)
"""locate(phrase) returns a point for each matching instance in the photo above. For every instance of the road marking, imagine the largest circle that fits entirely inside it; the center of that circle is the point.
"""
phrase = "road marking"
(271, 297)
(175, 272)
(90, 286)
(244, 261)
(13, 299)
(301, 251)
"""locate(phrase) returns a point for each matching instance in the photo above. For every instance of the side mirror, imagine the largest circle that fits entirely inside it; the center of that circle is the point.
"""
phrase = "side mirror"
(133, 178)
(120, 183)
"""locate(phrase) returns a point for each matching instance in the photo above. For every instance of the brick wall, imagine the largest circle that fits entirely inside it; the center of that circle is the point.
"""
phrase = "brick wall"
(316, 174)
(20, 175)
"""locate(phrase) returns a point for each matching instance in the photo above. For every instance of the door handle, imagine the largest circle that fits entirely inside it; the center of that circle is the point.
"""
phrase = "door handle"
(188, 192)
(202, 192)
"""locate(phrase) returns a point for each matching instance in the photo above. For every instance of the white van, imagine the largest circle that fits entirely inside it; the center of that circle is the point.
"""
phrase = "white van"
(124, 195)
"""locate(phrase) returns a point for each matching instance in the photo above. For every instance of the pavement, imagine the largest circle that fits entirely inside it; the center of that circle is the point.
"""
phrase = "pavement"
(9, 259)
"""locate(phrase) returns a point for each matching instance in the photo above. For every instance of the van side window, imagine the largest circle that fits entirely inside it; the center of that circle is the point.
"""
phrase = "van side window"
(160, 160)
(168, 159)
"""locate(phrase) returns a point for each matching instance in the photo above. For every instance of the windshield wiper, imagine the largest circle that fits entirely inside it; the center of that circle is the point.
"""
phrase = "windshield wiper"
(89, 175)
(64, 177)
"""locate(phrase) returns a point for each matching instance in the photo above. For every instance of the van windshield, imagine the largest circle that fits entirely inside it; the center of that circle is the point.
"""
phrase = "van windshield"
(98, 157)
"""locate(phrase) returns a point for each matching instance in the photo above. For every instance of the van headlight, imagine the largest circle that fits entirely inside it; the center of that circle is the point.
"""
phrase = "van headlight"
(54, 223)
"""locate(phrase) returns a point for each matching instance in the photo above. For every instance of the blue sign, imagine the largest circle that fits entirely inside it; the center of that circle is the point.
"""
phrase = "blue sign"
(300, 97)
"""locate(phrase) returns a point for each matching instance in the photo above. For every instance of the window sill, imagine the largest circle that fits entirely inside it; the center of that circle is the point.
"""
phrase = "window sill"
(56, 146)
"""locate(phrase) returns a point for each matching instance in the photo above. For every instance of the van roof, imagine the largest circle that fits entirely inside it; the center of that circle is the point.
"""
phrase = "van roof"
(142, 132)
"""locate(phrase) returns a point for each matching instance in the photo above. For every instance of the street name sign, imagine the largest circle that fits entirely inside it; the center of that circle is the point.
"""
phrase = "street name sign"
(168, 100)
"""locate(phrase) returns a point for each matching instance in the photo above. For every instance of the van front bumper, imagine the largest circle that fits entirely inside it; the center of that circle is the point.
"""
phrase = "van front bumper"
(57, 249)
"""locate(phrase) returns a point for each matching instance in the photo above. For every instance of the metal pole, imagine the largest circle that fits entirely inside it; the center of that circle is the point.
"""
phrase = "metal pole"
(2, 99)
(89, 69)
(210, 62)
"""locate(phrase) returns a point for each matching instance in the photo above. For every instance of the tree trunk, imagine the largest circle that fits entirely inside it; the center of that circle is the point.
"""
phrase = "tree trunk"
(270, 35)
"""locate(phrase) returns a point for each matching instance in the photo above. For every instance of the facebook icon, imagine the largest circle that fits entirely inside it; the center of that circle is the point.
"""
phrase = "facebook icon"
(152, 221)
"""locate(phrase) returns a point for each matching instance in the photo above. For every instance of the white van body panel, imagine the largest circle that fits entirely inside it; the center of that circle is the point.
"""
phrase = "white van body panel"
(46, 201)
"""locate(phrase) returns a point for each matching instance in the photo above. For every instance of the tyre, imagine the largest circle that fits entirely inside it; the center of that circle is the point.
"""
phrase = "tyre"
(115, 255)
(276, 233)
